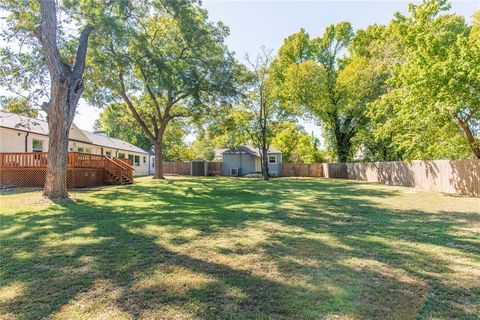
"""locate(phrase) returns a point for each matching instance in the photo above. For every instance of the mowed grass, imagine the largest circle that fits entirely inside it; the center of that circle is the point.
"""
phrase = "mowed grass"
(225, 248)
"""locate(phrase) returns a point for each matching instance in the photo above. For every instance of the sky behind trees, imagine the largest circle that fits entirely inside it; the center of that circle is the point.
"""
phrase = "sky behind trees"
(266, 23)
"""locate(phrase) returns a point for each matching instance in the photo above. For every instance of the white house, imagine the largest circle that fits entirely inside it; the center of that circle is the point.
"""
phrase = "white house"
(24, 134)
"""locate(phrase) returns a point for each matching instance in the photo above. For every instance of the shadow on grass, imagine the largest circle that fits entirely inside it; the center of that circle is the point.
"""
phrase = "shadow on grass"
(59, 254)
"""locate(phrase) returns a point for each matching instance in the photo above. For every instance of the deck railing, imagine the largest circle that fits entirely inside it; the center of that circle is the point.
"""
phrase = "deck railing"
(76, 160)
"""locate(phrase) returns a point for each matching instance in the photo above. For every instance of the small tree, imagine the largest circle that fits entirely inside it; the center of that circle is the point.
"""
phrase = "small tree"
(261, 102)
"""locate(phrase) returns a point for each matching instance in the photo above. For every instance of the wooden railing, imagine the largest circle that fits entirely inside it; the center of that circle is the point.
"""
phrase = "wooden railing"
(23, 160)
(75, 160)
(126, 164)
(116, 169)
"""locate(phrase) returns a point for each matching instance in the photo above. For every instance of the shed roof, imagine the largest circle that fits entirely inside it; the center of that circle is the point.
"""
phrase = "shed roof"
(245, 149)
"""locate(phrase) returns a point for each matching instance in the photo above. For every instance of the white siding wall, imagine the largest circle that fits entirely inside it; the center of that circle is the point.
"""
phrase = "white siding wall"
(14, 141)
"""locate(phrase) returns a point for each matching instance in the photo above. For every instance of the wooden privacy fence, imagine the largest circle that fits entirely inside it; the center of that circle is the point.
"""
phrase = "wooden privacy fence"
(449, 176)
(301, 170)
(83, 170)
(183, 168)
(180, 168)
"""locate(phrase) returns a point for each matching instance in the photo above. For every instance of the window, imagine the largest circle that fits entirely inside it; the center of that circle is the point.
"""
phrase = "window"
(272, 159)
(108, 154)
(144, 159)
(130, 157)
(121, 155)
(84, 150)
(37, 145)
(137, 161)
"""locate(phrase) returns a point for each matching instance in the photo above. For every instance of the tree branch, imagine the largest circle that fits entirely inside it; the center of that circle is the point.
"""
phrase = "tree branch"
(81, 52)
(123, 93)
(46, 33)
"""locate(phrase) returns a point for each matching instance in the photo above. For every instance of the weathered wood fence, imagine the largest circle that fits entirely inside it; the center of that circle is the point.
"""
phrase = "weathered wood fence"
(449, 176)
(301, 170)
(183, 168)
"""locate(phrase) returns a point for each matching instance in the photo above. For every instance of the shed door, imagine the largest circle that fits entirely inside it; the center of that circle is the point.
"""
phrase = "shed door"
(198, 168)
(258, 164)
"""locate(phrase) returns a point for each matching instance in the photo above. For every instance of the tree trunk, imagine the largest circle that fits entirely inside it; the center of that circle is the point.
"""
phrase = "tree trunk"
(65, 90)
(158, 145)
(56, 178)
(58, 127)
(343, 145)
(472, 142)
(266, 173)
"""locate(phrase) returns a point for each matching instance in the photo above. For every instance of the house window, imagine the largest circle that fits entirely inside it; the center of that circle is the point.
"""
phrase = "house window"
(144, 159)
(121, 155)
(130, 157)
(137, 161)
(84, 150)
(108, 154)
(272, 159)
(37, 145)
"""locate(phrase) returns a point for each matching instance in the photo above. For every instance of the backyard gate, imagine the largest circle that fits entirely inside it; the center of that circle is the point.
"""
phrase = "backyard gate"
(199, 167)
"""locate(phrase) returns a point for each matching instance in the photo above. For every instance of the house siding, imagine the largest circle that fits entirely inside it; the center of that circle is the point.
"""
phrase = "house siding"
(247, 163)
(12, 140)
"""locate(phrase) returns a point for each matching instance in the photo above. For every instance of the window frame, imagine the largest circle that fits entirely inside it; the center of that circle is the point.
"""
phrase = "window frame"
(269, 157)
(41, 145)
(136, 161)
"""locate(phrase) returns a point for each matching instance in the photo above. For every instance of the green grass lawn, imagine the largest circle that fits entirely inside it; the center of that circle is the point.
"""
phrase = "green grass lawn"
(237, 248)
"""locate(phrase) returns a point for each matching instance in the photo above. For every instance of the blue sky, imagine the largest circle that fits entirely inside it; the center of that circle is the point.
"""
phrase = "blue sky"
(266, 23)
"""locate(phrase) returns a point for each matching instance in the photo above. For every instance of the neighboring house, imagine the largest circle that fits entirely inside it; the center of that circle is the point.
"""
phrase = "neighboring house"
(24, 134)
(246, 160)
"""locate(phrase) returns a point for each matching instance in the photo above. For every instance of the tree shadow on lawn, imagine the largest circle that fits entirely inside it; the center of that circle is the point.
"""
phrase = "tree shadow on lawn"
(59, 255)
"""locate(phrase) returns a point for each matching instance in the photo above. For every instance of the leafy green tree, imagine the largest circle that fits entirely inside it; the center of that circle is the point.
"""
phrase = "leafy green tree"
(164, 65)
(20, 106)
(332, 79)
(116, 121)
(296, 145)
(433, 108)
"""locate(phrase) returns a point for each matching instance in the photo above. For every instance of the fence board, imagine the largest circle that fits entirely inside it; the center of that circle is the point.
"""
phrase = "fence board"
(449, 176)
(180, 168)
(301, 170)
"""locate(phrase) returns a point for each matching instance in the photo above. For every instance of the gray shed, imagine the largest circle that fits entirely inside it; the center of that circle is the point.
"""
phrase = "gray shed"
(199, 167)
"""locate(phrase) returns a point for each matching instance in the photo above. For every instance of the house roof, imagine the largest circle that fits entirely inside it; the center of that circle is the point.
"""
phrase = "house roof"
(105, 141)
(244, 149)
(15, 121)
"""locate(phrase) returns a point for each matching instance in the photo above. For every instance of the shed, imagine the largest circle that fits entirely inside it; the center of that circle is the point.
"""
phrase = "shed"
(199, 167)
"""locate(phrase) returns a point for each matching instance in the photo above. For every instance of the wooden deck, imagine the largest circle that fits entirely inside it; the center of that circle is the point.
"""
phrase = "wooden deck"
(28, 169)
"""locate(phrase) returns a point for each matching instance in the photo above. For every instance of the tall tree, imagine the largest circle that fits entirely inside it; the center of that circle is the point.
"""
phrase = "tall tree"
(165, 62)
(331, 80)
(65, 77)
(433, 108)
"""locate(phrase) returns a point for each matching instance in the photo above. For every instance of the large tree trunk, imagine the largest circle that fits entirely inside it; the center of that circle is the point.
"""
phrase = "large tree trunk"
(65, 90)
(343, 145)
(58, 127)
(158, 162)
(158, 146)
